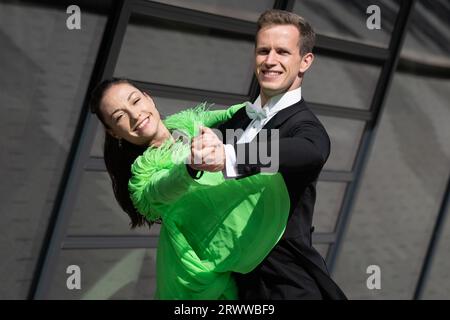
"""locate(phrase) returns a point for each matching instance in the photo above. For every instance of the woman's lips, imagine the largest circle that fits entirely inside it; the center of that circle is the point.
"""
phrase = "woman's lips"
(143, 124)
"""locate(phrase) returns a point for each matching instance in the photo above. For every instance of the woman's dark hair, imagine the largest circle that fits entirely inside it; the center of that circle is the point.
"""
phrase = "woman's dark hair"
(118, 155)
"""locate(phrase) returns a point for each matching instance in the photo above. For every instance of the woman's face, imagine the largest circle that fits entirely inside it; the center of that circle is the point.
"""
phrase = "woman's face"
(131, 114)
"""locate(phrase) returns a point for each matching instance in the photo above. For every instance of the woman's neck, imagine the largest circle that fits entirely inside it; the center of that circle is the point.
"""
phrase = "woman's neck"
(161, 138)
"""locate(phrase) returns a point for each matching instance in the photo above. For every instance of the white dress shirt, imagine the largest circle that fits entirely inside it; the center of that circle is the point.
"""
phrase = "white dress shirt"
(271, 108)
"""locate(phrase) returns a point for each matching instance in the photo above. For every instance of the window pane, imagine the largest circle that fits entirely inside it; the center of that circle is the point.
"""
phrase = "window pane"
(97, 211)
(106, 274)
(347, 19)
(401, 190)
(45, 73)
(245, 10)
(328, 203)
(187, 56)
(97, 146)
(438, 284)
(428, 39)
(322, 249)
(345, 136)
(340, 82)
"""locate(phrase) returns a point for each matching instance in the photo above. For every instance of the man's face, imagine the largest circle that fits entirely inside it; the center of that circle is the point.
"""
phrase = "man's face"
(130, 114)
(278, 61)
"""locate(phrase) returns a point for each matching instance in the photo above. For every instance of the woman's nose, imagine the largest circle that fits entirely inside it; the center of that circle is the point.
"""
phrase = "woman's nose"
(135, 115)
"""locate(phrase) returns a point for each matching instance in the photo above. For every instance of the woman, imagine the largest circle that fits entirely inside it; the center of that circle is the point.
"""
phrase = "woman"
(210, 226)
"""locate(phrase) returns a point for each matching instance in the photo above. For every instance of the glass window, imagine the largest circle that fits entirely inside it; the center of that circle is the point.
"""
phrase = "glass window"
(401, 190)
(97, 211)
(348, 19)
(187, 56)
(340, 82)
(345, 136)
(245, 10)
(328, 203)
(428, 39)
(45, 73)
(438, 284)
(106, 275)
(322, 249)
(97, 146)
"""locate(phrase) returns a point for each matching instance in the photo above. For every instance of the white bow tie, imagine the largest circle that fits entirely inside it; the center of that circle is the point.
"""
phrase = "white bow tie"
(255, 112)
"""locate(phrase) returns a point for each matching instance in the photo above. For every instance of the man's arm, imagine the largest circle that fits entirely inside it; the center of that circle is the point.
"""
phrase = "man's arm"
(305, 150)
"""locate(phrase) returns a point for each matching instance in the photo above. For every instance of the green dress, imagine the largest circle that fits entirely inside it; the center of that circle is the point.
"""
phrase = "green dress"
(211, 226)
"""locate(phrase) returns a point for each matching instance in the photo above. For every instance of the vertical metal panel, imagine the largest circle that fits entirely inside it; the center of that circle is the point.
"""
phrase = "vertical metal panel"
(85, 133)
(435, 236)
(367, 140)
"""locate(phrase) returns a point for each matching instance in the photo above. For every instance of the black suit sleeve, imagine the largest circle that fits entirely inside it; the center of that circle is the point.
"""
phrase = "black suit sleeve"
(304, 150)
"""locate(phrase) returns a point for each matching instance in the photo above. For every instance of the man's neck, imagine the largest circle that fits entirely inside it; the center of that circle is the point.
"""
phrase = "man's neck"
(265, 98)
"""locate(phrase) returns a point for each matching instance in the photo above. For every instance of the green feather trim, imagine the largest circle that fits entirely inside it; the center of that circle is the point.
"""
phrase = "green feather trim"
(189, 120)
(152, 161)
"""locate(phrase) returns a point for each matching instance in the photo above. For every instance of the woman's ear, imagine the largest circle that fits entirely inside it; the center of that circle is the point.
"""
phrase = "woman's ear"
(112, 134)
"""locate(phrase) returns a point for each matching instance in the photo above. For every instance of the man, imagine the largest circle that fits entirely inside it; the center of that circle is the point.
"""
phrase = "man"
(283, 53)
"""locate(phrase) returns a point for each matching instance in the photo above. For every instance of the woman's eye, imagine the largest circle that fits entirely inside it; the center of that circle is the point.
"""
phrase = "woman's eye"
(137, 100)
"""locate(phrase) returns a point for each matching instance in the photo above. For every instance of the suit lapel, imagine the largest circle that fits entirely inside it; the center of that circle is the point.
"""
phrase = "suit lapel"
(283, 115)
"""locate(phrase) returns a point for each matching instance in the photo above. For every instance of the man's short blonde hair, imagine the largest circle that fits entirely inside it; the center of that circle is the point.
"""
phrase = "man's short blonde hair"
(280, 17)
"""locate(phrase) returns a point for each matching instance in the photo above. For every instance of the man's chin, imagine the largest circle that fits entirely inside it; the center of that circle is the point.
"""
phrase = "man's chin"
(271, 91)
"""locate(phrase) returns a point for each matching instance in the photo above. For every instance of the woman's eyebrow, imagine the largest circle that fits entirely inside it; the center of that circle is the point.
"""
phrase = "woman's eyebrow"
(129, 96)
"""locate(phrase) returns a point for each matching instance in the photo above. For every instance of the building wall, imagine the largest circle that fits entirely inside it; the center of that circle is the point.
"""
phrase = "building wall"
(46, 71)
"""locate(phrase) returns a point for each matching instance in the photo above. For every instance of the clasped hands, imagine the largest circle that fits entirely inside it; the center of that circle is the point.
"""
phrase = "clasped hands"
(207, 151)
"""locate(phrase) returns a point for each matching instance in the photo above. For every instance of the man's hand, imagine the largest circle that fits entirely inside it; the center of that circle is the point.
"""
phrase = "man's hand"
(207, 152)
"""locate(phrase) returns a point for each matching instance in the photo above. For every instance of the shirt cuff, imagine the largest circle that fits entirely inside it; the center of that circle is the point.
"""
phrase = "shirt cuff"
(230, 170)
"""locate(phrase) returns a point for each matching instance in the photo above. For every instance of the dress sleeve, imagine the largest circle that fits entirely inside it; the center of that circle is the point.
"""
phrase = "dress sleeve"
(159, 176)
(215, 117)
(189, 120)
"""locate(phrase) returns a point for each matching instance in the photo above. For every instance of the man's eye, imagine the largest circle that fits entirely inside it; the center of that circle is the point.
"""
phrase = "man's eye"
(118, 117)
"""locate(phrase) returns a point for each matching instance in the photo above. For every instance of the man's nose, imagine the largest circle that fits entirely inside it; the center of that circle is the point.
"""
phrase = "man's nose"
(271, 58)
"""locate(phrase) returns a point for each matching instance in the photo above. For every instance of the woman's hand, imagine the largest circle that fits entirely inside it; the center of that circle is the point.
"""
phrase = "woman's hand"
(207, 152)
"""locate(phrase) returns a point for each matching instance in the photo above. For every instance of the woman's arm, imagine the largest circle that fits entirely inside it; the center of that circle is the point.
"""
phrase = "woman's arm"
(191, 119)
(159, 176)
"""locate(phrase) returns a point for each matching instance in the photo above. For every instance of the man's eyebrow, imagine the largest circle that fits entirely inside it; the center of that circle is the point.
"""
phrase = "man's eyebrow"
(129, 96)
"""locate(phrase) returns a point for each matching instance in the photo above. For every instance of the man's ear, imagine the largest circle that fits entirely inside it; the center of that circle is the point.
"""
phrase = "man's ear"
(306, 62)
